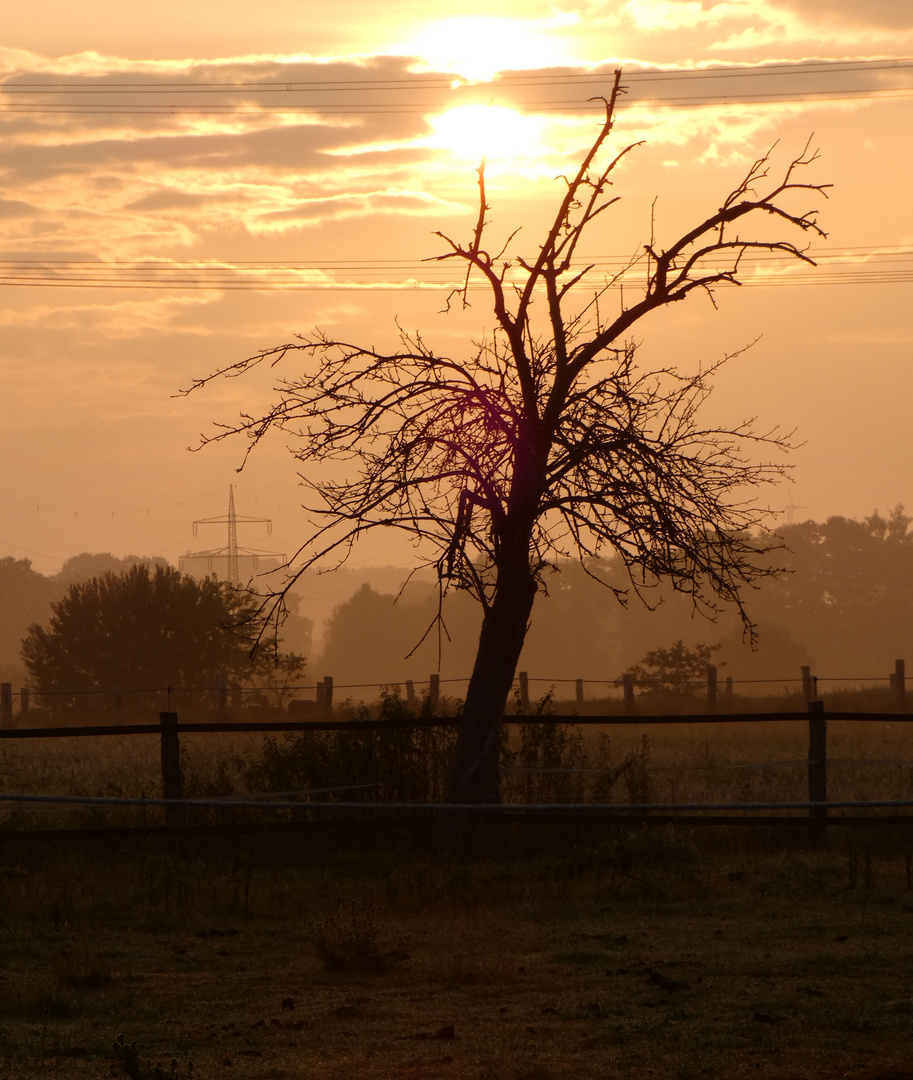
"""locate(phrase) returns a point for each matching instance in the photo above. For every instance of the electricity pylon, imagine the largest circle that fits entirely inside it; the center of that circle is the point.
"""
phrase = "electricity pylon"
(231, 551)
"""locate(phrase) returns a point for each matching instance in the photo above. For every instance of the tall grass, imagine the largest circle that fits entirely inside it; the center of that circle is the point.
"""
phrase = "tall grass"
(540, 763)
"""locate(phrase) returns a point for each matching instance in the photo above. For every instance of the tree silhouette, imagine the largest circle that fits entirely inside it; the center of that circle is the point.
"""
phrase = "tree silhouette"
(849, 592)
(669, 676)
(139, 631)
(25, 595)
(547, 440)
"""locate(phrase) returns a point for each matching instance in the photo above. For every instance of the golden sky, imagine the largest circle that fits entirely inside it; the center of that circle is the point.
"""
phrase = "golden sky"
(187, 183)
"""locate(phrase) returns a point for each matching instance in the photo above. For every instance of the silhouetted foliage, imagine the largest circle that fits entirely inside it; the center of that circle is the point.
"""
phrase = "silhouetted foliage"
(675, 674)
(25, 597)
(139, 632)
(849, 593)
(90, 564)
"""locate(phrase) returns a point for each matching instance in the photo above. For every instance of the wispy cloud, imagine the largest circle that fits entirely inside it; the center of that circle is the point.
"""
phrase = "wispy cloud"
(751, 30)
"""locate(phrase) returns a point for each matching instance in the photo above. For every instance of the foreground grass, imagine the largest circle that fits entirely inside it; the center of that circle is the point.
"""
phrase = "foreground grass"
(640, 955)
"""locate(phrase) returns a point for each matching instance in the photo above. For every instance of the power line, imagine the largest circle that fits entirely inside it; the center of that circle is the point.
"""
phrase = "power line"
(420, 109)
(795, 280)
(817, 253)
(638, 84)
(822, 67)
(82, 511)
(856, 266)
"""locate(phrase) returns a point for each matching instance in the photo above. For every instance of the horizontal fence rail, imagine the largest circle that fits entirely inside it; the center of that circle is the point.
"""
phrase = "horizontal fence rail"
(224, 698)
(271, 726)
(268, 726)
(814, 811)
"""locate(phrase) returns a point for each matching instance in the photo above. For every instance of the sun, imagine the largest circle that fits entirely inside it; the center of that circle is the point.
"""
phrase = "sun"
(492, 132)
(478, 47)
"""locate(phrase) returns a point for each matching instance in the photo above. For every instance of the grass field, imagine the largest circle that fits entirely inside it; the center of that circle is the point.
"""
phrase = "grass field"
(585, 951)
(642, 954)
(720, 762)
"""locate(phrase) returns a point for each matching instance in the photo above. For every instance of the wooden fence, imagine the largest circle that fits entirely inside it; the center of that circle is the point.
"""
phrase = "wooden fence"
(231, 698)
(169, 729)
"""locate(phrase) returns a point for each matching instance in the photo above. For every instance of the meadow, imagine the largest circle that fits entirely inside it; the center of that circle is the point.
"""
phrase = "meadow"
(585, 950)
(631, 762)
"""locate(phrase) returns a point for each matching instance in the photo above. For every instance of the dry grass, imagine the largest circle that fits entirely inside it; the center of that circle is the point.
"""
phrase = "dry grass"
(748, 762)
(642, 957)
(588, 953)
(729, 762)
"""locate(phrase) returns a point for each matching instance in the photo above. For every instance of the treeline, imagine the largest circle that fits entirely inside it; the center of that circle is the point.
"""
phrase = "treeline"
(843, 607)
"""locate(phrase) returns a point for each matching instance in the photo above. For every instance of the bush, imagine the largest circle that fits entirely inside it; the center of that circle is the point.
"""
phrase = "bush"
(399, 764)
(540, 762)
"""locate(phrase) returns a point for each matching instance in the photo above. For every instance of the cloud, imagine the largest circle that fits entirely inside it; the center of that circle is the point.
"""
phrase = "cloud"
(670, 31)
(892, 14)
(170, 199)
(189, 162)
(672, 15)
(366, 204)
(13, 208)
(119, 318)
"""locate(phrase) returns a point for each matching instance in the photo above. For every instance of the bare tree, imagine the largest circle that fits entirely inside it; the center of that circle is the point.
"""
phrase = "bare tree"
(548, 441)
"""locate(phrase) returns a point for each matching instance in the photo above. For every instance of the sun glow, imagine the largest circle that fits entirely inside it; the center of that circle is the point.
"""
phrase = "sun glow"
(493, 132)
(478, 47)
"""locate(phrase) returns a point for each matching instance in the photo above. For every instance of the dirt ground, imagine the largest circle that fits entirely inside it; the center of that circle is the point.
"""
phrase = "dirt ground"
(635, 959)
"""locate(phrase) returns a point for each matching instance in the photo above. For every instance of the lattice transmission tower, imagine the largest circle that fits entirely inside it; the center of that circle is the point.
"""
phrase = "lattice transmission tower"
(231, 553)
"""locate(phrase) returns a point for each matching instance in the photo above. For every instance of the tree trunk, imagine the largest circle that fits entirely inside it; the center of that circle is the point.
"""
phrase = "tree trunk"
(474, 777)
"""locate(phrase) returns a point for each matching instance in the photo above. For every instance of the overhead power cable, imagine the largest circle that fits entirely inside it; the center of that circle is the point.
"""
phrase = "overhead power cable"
(373, 96)
(524, 78)
(862, 265)
(419, 109)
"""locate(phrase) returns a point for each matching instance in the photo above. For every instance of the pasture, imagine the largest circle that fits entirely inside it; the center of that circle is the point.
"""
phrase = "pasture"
(586, 950)
(645, 955)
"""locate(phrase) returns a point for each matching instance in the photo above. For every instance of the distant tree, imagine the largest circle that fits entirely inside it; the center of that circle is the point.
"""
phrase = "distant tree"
(88, 565)
(673, 674)
(277, 682)
(298, 630)
(140, 631)
(777, 657)
(573, 630)
(25, 597)
(380, 638)
(547, 439)
(849, 592)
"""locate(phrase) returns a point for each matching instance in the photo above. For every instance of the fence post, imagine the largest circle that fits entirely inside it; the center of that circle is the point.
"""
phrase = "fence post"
(434, 690)
(579, 692)
(410, 691)
(328, 696)
(817, 773)
(809, 684)
(172, 783)
(523, 679)
(899, 685)
(627, 681)
(711, 688)
(24, 704)
(6, 704)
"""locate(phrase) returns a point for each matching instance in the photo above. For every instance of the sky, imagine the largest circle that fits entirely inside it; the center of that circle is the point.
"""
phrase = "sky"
(186, 184)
